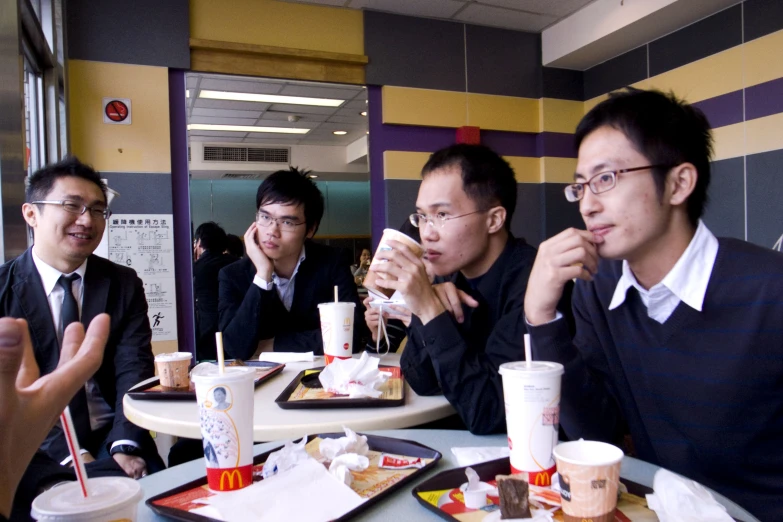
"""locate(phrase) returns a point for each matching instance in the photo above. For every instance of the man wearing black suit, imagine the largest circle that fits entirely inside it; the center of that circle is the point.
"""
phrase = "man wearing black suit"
(269, 300)
(208, 246)
(59, 281)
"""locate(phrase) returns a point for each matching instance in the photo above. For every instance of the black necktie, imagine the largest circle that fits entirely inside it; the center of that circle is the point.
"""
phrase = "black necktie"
(70, 314)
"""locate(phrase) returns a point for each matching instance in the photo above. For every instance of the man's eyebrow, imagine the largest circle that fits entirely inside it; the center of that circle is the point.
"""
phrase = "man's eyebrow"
(436, 205)
(601, 167)
(291, 218)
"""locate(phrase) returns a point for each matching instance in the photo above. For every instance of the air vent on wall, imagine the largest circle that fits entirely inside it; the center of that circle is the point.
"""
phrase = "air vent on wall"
(230, 175)
(247, 154)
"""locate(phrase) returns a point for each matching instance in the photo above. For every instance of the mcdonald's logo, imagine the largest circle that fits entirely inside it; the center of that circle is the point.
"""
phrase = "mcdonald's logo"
(542, 479)
(230, 475)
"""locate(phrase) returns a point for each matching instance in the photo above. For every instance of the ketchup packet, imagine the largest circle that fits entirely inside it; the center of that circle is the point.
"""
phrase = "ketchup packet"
(387, 461)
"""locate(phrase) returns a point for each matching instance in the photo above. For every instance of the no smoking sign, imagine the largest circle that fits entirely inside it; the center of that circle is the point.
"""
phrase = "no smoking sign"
(117, 111)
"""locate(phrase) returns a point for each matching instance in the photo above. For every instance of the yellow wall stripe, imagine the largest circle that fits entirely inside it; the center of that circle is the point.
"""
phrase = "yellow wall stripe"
(560, 115)
(526, 170)
(729, 141)
(407, 165)
(762, 59)
(557, 170)
(142, 146)
(503, 113)
(409, 106)
(764, 134)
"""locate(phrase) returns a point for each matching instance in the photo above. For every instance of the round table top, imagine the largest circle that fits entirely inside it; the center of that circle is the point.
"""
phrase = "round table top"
(270, 422)
(401, 505)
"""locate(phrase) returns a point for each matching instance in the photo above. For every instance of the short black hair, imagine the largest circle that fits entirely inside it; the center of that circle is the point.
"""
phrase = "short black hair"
(41, 182)
(293, 186)
(663, 128)
(487, 178)
(234, 246)
(212, 237)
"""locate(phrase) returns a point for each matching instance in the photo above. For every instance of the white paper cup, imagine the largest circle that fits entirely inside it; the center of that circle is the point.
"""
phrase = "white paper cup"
(112, 499)
(532, 397)
(589, 474)
(225, 404)
(337, 330)
(371, 277)
(173, 369)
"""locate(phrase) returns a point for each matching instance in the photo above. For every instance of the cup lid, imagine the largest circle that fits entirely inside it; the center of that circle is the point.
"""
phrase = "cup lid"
(106, 495)
(537, 368)
(394, 232)
(174, 356)
(339, 303)
(208, 371)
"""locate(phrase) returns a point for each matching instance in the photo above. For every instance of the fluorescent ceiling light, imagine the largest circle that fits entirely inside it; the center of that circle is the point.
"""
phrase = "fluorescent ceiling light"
(246, 128)
(269, 98)
(363, 113)
(312, 176)
(187, 93)
(339, 133)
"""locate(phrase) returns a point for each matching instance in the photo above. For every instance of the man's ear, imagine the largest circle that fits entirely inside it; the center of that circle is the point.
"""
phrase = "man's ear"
(311, 231)
(30, 215)
(681, 182)
(496, 217)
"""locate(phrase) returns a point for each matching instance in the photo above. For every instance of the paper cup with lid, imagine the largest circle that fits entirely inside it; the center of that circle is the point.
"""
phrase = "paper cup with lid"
(173, 369)
(112, 499)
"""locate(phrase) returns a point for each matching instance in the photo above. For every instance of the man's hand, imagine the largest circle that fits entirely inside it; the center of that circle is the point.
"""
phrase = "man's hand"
(134, 467)
(405, 273)
(29, 405)
(570, 254)
(263, 264)
(453, 298)
(371, 316)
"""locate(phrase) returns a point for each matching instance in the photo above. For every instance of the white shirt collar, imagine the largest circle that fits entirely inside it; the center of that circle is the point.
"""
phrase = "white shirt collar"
(277, 278)
(50, 275)
(689, 277)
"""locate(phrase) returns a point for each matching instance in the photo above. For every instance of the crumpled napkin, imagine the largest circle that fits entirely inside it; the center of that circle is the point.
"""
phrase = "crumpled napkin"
(351, 443)
(285, 458)
(342, 466)
(354, 377)
(286, 357)
(677, 499)
(468, 456)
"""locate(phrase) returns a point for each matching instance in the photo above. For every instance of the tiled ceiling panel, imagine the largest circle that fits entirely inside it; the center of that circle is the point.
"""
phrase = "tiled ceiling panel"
(428, 8)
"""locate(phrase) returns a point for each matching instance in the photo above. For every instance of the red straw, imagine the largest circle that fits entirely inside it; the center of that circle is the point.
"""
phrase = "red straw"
(73, 447)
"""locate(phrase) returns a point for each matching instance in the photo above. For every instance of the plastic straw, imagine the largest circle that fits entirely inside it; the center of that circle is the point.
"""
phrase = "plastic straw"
(220, 356)
(336, 299)
(528, 352)
(76, 454)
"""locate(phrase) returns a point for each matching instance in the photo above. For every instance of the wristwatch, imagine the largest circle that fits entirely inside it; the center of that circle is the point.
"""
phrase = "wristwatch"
(127, 449)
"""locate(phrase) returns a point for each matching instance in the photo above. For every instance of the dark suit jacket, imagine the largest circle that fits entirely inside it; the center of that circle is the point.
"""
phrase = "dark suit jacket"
(249, 314)
(205, 292)
(127, 359)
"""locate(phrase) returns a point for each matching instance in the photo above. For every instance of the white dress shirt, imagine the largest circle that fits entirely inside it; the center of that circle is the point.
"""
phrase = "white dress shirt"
(285, 287)
(687, 281)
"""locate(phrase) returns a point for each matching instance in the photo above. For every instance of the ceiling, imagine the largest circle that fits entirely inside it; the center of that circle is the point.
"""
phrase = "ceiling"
(521, 15)
(321, 121)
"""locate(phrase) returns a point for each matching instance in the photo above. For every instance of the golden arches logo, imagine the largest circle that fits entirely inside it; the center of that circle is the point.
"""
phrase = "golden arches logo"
(230, 475)
(542, 479)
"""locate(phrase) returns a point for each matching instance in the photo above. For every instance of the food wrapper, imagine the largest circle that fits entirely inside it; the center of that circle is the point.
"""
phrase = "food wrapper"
(355, 378)
(677, 499)
(342, 466)
(285, 458)
(389, 462)
(351, 443)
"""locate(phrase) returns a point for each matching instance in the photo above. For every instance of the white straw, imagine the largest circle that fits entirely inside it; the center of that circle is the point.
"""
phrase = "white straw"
(76, 454)
(336, 299)
(528, 352)
(221, 357)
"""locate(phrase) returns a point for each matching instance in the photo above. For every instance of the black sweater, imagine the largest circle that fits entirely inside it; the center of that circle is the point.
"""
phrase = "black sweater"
(702, 393)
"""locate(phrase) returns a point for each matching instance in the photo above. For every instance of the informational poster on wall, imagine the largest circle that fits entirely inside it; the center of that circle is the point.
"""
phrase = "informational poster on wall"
(145, 242)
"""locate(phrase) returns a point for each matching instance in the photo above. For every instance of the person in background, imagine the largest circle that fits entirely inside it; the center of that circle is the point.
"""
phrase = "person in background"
(208, 246)
(269, 300)
(30, 404)
(678, 333)
(360, 270)
(234, 246)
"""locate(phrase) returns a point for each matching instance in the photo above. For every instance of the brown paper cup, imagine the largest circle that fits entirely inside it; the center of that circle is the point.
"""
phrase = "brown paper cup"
(372, 276)
(589, 474)
(173, 370)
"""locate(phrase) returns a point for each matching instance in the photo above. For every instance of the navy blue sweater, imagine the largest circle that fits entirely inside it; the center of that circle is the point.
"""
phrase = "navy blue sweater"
(701, 394)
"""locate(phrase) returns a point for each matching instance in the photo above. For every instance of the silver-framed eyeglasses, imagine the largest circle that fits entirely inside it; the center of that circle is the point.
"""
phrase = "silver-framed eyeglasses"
(439, 219)
(76, 207)
(265, 220)
(601, 182)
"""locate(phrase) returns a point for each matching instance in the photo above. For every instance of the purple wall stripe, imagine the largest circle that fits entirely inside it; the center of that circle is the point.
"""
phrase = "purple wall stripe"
(764, 99)
(554, 144)
(180, 192)
(376, 146)
(510, 143)
(722, 110)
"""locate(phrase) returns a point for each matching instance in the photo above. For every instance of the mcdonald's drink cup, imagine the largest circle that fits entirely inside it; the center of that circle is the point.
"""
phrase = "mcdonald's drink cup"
(173, 369)
(225, 405)
(112, 499)
(371, 277)
(589, 474)
(337, 330)
(532, 397)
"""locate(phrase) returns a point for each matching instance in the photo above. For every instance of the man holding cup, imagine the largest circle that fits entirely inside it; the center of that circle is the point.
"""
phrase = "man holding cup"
(269, 299)
(468, 323)
(678, 332)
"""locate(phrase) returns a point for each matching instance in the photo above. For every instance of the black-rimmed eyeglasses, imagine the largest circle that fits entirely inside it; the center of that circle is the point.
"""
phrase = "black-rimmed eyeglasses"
(421, 220)
(265, 220)
(75, 207)
(601, 182)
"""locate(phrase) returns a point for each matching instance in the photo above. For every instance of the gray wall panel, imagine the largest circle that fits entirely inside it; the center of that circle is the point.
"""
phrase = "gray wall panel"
(560, 213)
(414, 52)
(504, 62)
(141, 32)
(563, 84)
(620, 71)
(762, 17)
(140, 193)
(725, 213)
(765, 192)
(528, 219)
(400, 200)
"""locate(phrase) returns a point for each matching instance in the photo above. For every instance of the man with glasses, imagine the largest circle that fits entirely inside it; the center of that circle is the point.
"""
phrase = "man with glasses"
(679, 336)
(59, 281)
(269, 300)
(469, 322)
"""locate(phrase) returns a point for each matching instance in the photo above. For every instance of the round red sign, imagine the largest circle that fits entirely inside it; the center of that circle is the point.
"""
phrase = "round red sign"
(116, 110)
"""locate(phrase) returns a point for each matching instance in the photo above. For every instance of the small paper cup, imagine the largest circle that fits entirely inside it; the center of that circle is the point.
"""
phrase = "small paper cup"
(372, 276)
(173, 370)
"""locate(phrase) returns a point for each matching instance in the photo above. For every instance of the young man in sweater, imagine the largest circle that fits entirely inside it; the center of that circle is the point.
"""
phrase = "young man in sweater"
(678, 333)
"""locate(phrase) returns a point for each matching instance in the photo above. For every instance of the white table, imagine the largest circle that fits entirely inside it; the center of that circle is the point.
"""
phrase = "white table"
(401, 505)
(270, 422)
